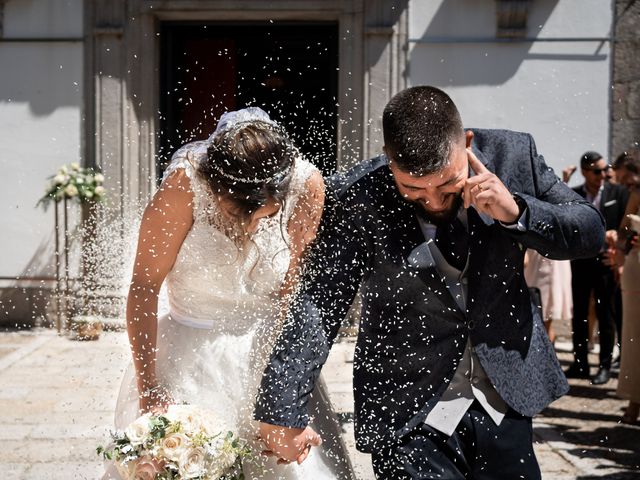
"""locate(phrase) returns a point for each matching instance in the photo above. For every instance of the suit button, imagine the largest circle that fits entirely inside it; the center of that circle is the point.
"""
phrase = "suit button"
(471, 324)
(475, 380)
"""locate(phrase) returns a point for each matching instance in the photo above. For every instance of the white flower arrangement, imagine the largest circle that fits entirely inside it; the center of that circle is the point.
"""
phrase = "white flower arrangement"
(74, 182)
(184, 443)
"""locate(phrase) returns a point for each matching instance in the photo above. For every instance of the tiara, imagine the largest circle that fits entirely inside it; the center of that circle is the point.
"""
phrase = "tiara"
(230, 123)
(277, 177)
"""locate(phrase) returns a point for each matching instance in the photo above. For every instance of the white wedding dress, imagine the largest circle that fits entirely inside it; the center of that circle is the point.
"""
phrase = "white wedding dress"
(214, 341)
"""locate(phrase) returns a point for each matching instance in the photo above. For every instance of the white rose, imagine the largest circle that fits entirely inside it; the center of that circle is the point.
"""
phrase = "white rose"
(60, 179)
(99, 178)
(173, 446)
(64, 170)
(138, 431)
(88, 194)
(192, 463)
(190, 417)
(99, 191)
(75, 166)
(71, 190)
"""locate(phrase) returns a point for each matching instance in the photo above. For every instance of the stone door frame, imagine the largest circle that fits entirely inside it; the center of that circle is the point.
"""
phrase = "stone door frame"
(122, 69)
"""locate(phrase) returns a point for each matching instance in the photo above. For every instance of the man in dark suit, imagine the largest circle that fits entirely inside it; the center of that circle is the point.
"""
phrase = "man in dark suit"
(452, 359)
(595, 274)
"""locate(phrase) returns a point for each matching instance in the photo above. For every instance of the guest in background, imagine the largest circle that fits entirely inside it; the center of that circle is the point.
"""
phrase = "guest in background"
(626, 168)
(625, 171)
(629, 378)
(592, 320)
(594, 274)
(553, 279)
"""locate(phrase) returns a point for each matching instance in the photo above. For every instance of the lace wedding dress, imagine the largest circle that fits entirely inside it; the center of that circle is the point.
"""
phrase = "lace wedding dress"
(223, 308)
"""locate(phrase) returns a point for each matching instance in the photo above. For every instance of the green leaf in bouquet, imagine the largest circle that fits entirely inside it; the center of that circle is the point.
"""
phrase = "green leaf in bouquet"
(122, 441)
(158, 426)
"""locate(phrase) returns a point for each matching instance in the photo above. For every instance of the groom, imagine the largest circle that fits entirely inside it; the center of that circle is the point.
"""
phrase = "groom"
(452, 360)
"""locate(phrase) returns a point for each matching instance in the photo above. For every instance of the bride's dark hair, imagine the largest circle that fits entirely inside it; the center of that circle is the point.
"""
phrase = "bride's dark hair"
(249, 164)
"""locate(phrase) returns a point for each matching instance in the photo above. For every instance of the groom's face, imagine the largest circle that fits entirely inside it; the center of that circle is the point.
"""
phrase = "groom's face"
(439, 194)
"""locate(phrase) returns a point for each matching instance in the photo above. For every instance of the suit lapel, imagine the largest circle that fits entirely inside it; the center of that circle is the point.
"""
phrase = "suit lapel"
(478, 252)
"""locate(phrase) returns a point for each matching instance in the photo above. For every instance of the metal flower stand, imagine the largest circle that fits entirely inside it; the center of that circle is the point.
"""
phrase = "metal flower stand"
(62, 290)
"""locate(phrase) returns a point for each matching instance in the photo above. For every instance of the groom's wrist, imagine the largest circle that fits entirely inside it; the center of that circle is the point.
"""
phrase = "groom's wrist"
(521, 222)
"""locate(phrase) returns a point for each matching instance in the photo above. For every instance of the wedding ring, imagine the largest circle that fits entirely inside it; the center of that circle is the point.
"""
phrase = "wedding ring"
(480, 187)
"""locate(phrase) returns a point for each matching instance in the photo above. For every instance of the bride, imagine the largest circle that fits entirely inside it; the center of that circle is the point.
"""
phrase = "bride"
(225, 235)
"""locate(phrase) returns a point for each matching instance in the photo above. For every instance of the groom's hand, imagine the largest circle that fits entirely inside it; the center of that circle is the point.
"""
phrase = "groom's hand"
(288, 444)
(488, 194)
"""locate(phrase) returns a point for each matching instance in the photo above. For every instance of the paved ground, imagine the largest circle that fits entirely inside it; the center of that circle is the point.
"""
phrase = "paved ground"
(57, 398)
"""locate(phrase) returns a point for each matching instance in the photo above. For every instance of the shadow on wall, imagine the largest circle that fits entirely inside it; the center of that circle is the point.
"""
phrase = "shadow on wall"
(450, 59)
(46, 76)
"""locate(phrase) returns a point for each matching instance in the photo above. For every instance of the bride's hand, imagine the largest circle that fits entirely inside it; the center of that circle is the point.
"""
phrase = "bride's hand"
(155, 400)
(288, 444)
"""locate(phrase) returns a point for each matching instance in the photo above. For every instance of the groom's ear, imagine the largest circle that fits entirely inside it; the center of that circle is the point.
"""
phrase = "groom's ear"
(468, 136)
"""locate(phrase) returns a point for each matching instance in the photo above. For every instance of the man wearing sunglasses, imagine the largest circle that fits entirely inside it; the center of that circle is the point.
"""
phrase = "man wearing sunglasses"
(594, 274)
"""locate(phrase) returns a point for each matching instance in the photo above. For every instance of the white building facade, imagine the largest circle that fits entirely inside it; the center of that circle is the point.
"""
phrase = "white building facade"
(92, 81)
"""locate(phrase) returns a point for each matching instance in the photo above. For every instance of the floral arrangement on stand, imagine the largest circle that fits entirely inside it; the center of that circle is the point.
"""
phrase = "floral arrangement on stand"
(84, 186)
(185, 442)
(74, 182)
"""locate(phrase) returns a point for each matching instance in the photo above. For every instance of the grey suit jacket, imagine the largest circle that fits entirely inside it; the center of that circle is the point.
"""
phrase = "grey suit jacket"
(412, 333)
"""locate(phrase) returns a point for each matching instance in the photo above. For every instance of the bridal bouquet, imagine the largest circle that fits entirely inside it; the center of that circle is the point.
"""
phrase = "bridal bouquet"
(186, 442)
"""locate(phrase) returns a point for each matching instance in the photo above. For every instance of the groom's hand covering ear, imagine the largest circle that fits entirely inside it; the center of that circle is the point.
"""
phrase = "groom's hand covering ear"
(488, 194)
(288, 444)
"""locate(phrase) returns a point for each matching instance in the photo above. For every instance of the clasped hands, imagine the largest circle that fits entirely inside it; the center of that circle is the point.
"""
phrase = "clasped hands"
(288, 444)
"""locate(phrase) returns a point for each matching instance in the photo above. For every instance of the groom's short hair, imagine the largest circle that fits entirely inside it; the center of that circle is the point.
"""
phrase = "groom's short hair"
(420, 124)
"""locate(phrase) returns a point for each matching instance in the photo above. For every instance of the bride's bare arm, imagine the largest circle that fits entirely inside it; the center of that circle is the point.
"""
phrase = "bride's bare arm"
(302, 229)
(165, 223)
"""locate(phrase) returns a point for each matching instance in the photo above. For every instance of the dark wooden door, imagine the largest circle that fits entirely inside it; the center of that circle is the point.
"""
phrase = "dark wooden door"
(289, 70)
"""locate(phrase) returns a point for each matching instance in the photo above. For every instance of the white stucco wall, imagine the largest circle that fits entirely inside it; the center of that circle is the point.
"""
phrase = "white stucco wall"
(557, 91)
(40, 124)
